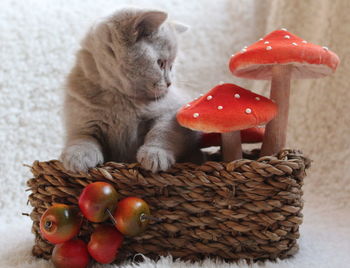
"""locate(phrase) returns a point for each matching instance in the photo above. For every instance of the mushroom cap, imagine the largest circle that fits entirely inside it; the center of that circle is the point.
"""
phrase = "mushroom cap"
(282, 47)
(226, 108)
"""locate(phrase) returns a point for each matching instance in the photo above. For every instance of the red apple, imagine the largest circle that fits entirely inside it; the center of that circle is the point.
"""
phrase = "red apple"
(95, 199)
(60, 223)
(131, 216)
(70, 254)
(104, 243)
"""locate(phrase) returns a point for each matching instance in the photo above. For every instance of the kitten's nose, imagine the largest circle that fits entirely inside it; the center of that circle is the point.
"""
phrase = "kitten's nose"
(168, 84)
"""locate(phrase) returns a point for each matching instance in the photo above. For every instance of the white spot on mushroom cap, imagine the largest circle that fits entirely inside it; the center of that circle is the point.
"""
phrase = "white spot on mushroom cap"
(287, 36)
(195, 115)
(304, 41)
(266, 42)
(261, 39)
(221, 83)
(201, 95)
(248, 110)
(209, 97)
(243, 50)
(257, 98)
(245, 47)
(325, 48)
(294, 44)
(268, 47)
(283, 29)
(188, 105)
(220, 107)
(237, 96)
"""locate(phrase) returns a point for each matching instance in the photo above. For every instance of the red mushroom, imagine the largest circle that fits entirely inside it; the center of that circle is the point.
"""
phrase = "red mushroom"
(280, 56)
(226, 109)
(249, 135)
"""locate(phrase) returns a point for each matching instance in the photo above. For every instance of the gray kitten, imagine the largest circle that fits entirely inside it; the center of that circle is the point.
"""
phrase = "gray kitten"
(120, 103)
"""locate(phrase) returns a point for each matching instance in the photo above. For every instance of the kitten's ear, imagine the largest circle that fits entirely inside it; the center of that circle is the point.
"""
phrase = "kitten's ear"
(148, 22)
(179, 27)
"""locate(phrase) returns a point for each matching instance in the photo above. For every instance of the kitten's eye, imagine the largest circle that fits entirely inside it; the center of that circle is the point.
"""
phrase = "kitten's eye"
(161, 63)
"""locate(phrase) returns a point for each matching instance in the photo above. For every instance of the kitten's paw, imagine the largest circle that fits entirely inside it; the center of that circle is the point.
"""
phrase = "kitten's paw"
(155, 158)
(81, 157)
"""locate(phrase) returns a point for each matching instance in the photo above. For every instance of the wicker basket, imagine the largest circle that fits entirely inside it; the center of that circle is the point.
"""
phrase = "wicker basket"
(245, 209)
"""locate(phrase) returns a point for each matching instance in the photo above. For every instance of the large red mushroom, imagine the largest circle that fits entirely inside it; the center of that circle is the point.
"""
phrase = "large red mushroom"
(227, 109)
(280, 56)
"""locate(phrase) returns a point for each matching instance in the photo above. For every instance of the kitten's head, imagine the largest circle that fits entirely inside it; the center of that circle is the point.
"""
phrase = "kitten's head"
(132, 51)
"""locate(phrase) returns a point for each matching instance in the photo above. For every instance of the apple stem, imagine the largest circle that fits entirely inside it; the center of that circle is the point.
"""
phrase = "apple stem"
(111, 217)
(48, 225)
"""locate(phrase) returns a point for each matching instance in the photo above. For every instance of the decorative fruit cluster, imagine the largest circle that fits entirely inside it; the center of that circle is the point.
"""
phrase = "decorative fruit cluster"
(98, 202)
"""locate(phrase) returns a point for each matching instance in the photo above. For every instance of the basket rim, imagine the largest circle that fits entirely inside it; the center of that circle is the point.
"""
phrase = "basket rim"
(285, 155)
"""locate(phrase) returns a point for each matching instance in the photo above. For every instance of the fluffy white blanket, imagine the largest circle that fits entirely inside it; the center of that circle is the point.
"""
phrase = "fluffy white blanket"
(37, 44)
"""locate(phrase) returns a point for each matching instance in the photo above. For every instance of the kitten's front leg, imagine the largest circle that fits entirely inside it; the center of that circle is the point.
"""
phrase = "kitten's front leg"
(164, 144)
(82, 153)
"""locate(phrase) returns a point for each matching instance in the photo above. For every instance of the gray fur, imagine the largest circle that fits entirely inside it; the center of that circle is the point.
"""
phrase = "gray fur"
(120, 103)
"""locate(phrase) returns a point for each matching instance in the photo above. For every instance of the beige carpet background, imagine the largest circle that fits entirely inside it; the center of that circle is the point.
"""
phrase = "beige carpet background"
(38, 39)
(320, 108)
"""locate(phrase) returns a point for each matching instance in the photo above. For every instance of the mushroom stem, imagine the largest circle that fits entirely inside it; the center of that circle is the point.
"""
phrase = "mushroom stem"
(231, 146)
(276, 130)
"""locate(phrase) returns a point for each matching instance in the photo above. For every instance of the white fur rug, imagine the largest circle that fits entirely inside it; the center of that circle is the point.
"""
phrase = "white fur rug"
(37, 44)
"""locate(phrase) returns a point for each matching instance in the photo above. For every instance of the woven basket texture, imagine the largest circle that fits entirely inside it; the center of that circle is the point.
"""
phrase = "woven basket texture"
(245, 209)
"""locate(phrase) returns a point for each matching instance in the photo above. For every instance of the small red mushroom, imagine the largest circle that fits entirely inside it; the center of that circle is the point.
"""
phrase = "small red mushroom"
(280, 56)
(227, 109)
